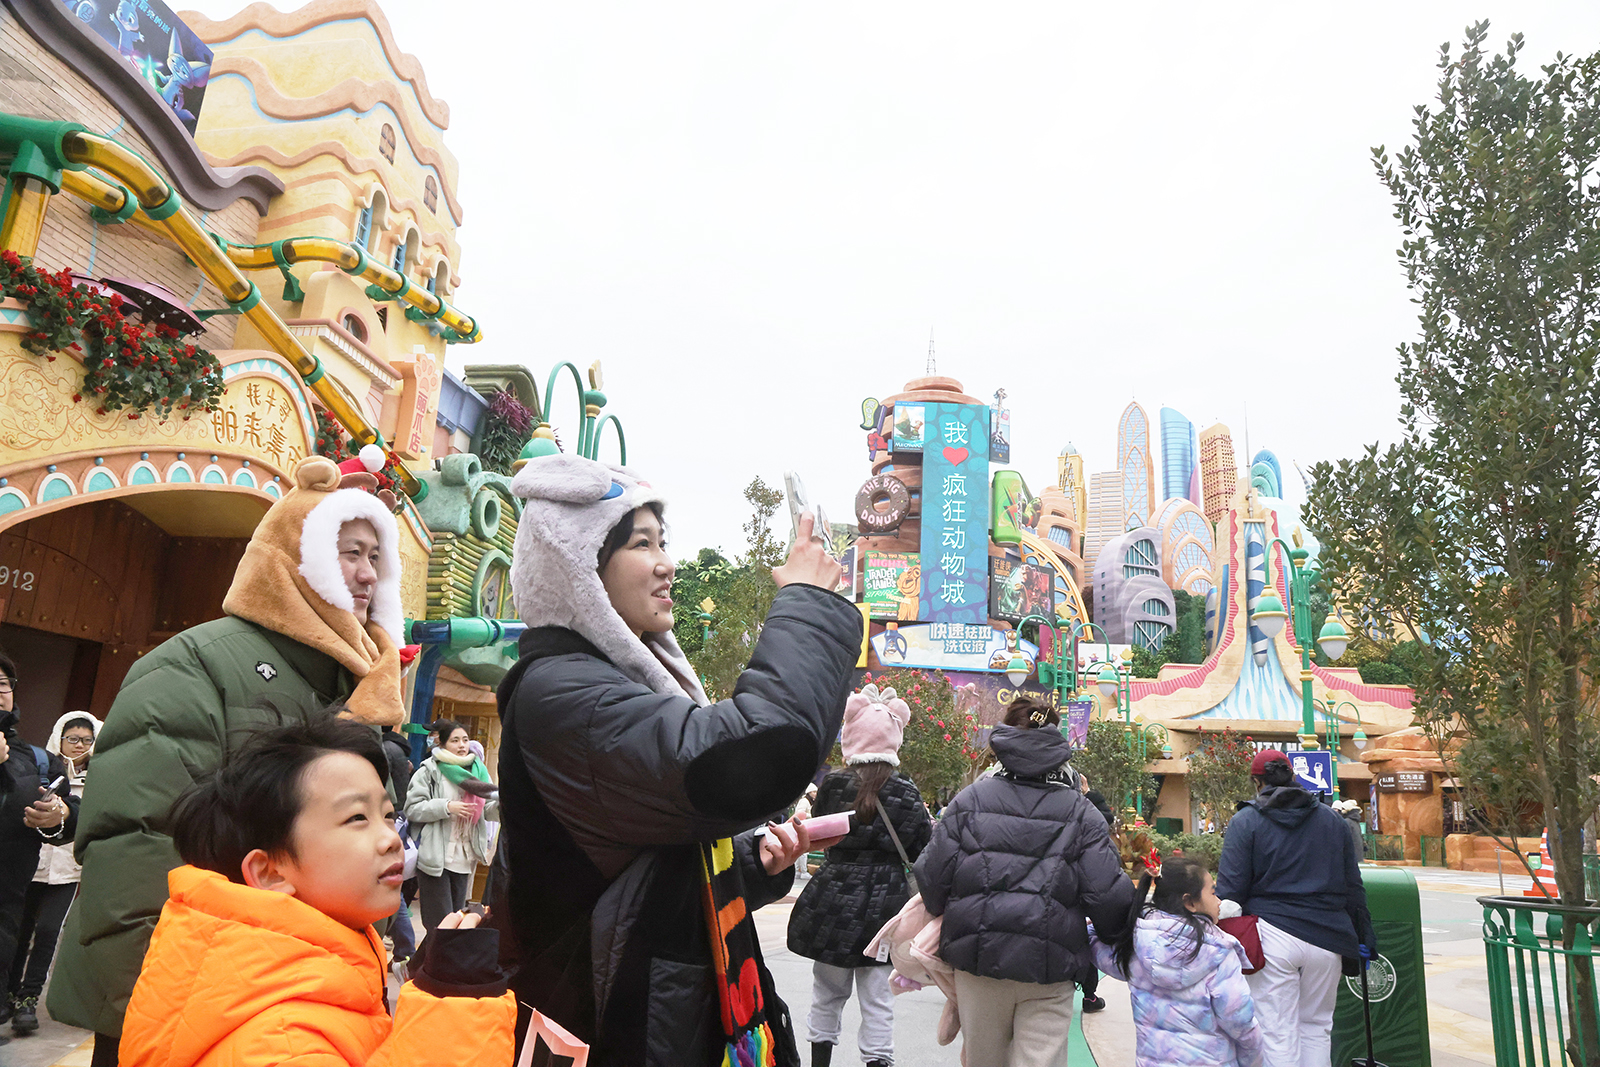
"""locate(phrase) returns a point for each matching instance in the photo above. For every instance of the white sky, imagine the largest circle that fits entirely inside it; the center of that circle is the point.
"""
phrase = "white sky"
(754, 213)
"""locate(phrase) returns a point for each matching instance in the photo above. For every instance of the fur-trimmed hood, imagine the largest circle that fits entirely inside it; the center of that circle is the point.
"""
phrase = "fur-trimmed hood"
(571, 504)
(289, 582)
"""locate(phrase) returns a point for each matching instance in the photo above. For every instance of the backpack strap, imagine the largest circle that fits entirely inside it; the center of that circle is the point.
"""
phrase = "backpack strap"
(41, 759)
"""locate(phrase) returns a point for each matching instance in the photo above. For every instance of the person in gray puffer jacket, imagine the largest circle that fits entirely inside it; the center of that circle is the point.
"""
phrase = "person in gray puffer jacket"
(1018, 862)
(628, 799)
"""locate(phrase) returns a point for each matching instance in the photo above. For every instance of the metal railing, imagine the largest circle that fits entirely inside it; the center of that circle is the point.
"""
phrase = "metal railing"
(1432, 849)
(1388, 847)
(1542, 1000)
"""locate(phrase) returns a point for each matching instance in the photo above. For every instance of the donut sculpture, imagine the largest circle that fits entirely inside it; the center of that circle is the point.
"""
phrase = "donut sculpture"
(882, 504)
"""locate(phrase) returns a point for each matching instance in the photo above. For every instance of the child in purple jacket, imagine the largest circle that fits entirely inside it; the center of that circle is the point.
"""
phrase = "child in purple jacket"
(1191, 1005)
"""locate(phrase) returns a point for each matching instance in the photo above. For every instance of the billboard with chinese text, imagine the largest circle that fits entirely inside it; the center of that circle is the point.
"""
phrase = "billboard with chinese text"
(950, 646)
(955, 514)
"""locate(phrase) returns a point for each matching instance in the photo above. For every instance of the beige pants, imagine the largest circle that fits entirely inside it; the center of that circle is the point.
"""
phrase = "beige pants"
(1014, 1024)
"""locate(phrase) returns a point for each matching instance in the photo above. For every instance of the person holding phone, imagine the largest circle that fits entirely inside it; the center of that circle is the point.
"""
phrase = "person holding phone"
(628, 798)
(37, 807)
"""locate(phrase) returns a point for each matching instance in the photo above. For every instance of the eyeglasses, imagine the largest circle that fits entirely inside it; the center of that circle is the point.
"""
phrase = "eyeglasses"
(77, 741)
(5, 684)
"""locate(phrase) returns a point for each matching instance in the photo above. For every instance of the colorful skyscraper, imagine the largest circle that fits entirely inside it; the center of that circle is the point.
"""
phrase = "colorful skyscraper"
(1106, 517)
(1219, 471)
(1071, 481)
(1180, 456)
(1137, 466)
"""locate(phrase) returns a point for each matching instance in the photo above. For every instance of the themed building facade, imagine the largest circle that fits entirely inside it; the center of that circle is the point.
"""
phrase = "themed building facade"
(264, 211)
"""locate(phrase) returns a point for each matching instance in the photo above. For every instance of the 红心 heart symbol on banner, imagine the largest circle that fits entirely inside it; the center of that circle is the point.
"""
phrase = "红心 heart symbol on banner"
(956, 456)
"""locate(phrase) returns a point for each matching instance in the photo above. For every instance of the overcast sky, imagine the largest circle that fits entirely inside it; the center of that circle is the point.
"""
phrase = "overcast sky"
(754, 213)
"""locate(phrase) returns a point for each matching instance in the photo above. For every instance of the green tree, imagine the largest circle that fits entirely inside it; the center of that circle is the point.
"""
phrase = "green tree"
(1113, 767)
(1479, 531)
(1219, 775)
(1146, 662)
(746, 599)
(1188, 643)
(708, 575)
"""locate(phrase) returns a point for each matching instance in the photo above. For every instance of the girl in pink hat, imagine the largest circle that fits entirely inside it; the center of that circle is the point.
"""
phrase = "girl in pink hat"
(862, 884)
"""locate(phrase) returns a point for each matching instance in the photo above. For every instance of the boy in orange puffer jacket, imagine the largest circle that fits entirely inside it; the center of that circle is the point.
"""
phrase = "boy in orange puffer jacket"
(265, 953)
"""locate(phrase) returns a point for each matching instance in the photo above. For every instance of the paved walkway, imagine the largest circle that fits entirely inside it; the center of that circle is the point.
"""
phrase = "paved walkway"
(1453, 961)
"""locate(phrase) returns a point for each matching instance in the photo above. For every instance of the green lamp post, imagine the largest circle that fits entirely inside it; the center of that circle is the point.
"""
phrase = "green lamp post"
(1270, 616)
(1330, 718)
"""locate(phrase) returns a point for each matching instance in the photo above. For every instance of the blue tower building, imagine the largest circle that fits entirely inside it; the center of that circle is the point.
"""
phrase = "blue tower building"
(1180, 457)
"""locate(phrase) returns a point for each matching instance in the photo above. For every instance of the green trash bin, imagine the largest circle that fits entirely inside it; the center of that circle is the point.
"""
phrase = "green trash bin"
(1395, 981)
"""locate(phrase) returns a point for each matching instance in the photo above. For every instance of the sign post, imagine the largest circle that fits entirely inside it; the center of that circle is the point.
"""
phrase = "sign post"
(1313, 771)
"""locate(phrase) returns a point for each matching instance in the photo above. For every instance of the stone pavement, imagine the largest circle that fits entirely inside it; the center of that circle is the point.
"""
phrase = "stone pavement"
(1453, 961)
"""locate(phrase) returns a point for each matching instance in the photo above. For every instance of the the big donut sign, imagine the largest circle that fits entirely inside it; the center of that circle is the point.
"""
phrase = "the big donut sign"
(881, 504)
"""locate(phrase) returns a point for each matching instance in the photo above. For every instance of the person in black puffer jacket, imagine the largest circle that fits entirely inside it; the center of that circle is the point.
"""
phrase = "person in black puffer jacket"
(1290, 861)
(862, 884)
(629, 800)
(1017, 863)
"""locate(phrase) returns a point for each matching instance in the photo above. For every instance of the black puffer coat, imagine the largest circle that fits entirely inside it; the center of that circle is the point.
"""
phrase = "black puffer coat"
(862, 885)
(1016, 865)
(607, 789)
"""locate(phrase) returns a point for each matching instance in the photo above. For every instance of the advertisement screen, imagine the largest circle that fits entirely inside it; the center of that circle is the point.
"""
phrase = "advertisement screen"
(157, 46)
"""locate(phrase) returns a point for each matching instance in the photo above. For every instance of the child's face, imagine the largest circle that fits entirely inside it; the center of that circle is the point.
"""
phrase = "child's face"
(1208, 904)
(348, 860)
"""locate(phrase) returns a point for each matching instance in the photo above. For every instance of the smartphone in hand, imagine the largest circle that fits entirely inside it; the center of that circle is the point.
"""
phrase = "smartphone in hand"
(799, 502)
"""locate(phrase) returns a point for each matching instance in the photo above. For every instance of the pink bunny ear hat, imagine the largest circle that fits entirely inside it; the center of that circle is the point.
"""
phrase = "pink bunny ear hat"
(874, 726)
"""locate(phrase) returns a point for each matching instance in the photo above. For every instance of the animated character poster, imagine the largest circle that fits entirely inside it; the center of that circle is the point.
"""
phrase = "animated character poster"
(1019, 589)
(909, 420)
(157, 46)
(891, 583)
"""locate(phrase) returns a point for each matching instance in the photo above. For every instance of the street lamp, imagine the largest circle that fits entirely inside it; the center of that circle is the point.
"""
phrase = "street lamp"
(1330, 716)
(1269, 615)
(707, 607)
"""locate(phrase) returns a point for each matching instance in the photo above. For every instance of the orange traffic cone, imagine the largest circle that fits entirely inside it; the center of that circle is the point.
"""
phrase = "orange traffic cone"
(1544, 879)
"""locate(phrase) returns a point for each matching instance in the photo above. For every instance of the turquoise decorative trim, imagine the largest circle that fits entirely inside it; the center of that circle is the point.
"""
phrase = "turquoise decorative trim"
(165, 210)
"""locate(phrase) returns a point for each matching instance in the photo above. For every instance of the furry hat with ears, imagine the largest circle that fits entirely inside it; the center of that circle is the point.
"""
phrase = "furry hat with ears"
(874, 726)
(570, 505)
(289, 582)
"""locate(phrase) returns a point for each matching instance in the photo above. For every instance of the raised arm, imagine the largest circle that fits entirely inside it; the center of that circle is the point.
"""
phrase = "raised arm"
(618, 761)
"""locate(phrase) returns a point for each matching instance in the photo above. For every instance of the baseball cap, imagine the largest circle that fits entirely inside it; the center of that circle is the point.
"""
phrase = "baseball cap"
(1258, 766)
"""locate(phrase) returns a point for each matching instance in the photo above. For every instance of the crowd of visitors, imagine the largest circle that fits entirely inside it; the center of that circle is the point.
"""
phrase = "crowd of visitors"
(254, 828)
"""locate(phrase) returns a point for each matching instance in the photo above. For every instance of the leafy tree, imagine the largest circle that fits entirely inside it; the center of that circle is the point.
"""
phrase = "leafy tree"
(1382, 672)
(746, 598)
(1219, 775)
(1479, 532)
(1188, 643)
(1113, 766)
(709, 574)
(1146, 663)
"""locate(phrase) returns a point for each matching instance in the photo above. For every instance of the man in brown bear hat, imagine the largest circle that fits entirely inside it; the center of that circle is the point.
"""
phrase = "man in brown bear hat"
(312, 617)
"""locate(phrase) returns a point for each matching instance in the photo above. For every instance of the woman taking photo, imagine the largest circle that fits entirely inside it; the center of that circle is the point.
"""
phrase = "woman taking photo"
(862, 883)
(1018, 861)
(1289, 860)
(454, 822)
(631, 871)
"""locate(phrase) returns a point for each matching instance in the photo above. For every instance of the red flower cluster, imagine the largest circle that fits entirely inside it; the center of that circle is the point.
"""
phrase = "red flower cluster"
(128, 364)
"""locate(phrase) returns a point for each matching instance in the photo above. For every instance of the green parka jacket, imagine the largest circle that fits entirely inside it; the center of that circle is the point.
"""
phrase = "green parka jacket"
(182, 708)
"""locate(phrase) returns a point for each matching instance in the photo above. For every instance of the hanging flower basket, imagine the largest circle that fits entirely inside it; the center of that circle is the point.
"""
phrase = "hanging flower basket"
(129, 365)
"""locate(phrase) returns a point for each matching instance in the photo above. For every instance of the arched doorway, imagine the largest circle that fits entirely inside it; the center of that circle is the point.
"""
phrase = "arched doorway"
(90, 586)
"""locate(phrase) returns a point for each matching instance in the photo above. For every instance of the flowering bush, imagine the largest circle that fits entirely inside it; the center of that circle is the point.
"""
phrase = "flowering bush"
(943, 748)
(331, 441)
(1219, 774)
(507, 425)
(128, 365)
